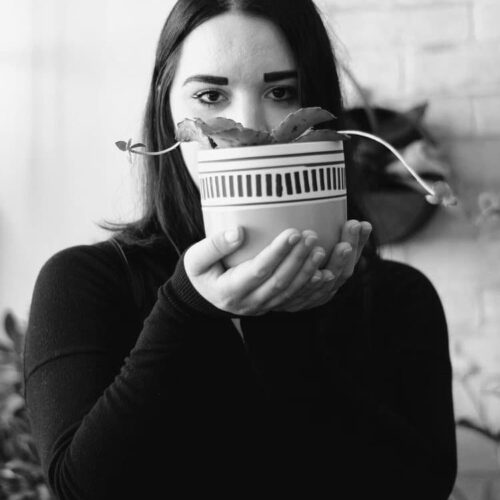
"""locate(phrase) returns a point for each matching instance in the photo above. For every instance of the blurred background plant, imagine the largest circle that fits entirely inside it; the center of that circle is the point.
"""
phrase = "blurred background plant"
(21, 476)
(482, 388)
(478, 377)
(479, 382)
(488, 219)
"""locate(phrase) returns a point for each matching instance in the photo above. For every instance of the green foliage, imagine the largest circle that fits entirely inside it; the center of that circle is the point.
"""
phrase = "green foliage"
(21, 476)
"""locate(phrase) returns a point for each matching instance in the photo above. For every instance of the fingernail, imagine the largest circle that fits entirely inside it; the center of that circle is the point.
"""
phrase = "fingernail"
(232, 235)
(346, 252)
(294, 239)
(310, 240)
(318, 256)
(316, 277)
(355, 228)
(329, 276)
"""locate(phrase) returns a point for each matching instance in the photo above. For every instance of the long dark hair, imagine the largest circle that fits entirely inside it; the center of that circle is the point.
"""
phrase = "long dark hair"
(171, 200)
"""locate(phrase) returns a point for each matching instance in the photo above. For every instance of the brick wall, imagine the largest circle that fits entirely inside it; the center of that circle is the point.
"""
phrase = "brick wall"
(445, 52)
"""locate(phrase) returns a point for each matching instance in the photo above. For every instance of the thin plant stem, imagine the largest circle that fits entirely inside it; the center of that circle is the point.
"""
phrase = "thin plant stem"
(156, 153)
(395, 152)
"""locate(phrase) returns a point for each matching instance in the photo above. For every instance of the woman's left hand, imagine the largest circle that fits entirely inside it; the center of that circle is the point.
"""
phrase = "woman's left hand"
(339, 268)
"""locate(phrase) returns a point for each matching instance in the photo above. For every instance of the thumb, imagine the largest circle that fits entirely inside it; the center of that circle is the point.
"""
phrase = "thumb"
(204, 254)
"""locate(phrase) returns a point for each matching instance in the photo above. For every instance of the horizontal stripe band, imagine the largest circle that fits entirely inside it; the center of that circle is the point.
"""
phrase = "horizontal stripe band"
(242, 171)
(315, 153)
(299, 200)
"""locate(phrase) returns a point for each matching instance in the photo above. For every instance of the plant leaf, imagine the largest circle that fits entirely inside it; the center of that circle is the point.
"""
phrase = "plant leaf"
(224, 132)
(236, 137)
(220, 124)
(294, 124)
(138, 145)
(194, 130)
(443, 195)
(121, 145)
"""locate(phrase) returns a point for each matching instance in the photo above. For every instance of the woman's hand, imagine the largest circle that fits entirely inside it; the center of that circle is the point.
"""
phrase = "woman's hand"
(339, 268)
(280, 277)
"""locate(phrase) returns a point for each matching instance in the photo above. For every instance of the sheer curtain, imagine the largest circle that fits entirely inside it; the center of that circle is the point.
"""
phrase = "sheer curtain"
(73, 80)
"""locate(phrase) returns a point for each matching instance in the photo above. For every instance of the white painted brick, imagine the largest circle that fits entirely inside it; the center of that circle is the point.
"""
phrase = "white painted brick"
(491, 299)
(456, 70)
(487, 113)
(329, 6)
(365, 28)
(487, 20)
(431, 3)
(391, 28)
(462, 309)
(489, 249)
(475, 161)
(446, 117)
(484, 349)
(450, 117)
(379, 76)
(334, 5)
(431, 26)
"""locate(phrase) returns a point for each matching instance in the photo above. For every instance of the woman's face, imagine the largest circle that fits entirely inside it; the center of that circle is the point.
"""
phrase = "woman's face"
(234, 66)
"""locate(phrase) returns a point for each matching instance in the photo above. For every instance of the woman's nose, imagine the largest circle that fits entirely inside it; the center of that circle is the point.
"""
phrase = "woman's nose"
(251, 114)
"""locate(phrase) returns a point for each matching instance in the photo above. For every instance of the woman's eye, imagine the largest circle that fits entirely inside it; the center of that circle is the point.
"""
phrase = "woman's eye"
(208, 98)
(284, 93)
(214, 97)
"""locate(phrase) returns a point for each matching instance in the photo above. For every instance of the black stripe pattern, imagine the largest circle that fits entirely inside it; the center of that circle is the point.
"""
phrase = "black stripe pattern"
(300, 183)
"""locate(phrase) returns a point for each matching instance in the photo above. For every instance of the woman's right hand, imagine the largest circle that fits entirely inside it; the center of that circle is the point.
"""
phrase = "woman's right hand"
(289, 262)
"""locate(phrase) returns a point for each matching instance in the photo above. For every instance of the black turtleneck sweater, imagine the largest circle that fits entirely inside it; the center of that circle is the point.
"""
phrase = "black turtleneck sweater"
(164, 399)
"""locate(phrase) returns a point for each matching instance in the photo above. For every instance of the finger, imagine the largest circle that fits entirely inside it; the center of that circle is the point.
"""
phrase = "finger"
(350, 234)
(322, 286)
(316, 282)
(338, 260)
(283, 276)
(249, 275)
(203, 255)
(332, 278)
(302, 278)
(321, 282)
(366, 229)
(339, 267)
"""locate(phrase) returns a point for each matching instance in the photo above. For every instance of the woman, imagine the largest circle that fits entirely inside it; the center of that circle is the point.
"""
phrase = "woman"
(137, 381)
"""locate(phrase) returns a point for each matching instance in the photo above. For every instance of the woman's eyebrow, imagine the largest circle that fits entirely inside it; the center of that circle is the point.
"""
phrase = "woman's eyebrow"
(214, 80)
(222, 80)
(279, 75)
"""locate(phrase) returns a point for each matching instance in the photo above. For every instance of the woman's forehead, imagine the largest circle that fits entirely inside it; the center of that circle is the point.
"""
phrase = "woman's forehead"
(236, 46)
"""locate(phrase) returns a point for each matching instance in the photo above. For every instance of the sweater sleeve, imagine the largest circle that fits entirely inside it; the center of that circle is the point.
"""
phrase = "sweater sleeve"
(95, 415)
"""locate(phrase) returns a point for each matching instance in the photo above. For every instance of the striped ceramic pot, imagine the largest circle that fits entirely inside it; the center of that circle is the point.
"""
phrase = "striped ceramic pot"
(269, 188)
